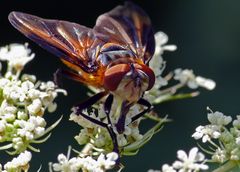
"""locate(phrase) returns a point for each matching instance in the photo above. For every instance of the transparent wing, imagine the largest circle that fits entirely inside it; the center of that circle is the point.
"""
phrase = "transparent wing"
(129, 27)
(71, 42)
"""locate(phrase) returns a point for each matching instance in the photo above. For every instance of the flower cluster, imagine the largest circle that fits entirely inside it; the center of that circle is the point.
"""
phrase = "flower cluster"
(17, 56)
(23, 102)
(223, 134)
(87, 163)
(193, 162)
(18, 164)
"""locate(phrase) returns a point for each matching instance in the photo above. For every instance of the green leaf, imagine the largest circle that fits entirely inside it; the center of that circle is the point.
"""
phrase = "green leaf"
(134, 147)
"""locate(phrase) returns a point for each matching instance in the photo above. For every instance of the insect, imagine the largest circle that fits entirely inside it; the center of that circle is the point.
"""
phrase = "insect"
(113, 56)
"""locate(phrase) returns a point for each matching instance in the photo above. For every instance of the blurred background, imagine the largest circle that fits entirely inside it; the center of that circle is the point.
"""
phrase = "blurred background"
(207, 34)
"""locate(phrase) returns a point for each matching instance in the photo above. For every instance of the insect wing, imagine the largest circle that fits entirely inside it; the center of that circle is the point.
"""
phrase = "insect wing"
(130, 27)
(69, 41)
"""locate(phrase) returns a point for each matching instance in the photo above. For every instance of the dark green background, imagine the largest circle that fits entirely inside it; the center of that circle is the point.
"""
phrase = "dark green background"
(207, 33)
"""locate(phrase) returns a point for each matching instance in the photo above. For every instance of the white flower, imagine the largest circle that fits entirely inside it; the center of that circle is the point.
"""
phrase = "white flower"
(109, 161)
(121, 140)
(83, 137)
(136, 134)
(167, 168)
(66, 165)
(151, 170)
(205, 83)
(217, 118)
(32, 128)
(193, 161)
(236, 122)
(17, 143)
(157, 63)
(103, 163)
(22, 160)
(238, 140)
(2, 125)
(161, 39)
(35, 107)
(219, 155)
(22, 115)
(207, 132)
(186, 76)
(17, 55)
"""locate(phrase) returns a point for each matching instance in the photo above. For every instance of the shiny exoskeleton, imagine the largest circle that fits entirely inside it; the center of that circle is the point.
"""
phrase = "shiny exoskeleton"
(113, 56)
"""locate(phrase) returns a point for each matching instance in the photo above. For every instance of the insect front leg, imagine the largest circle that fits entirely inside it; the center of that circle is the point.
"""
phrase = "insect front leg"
(143, 102)
(107, 110)
(107, 107)
(120, 126)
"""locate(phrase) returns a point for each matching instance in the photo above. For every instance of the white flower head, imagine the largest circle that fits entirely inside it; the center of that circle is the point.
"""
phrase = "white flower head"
(220, 155)
(186, 76)
(168, 168)
(17, 55)
(157, 63)
(88, 163)
(66, 165)
(151, 170)
(17, 163)
(193, 161)
(218, 118)
(236, 122)
(207, 133)
(161, 39)
(209, 84)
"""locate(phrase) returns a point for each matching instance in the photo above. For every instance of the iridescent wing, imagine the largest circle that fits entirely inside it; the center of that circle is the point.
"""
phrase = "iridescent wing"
(129, 27)
(76, 45)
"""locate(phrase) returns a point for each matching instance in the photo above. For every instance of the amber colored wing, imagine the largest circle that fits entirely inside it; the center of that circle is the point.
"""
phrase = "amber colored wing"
(73, 43)
(130, 27)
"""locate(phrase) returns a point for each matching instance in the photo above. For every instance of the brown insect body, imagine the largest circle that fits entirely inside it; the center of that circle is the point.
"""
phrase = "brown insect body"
(113, 55)
(121, 36)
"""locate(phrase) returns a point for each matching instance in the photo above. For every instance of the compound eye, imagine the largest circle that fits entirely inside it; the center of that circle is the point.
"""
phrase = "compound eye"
(149, 72)
(114, 75)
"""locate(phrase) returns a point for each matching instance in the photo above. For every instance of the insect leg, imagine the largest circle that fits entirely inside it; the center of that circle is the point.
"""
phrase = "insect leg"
(108, 106)
(92, 100)
(143, 102)
(104, 125)
(120, 126)
(107, 110)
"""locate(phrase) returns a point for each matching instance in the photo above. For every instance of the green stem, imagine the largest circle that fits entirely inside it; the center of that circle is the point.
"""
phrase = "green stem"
(226, 167)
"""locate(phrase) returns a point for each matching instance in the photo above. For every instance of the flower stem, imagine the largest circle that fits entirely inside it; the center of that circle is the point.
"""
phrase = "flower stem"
(226, 167)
